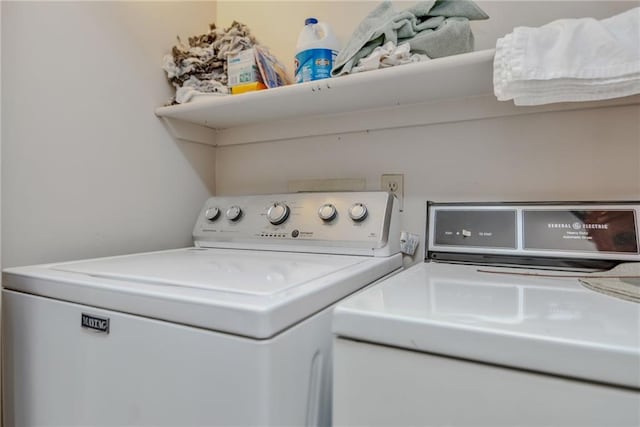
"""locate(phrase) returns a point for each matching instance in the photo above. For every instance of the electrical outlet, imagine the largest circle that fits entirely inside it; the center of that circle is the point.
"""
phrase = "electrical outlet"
(394, 183)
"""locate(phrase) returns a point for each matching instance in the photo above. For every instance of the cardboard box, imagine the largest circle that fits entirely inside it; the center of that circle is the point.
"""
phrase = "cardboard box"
(255, 69)
(242, 68)
(247, 87)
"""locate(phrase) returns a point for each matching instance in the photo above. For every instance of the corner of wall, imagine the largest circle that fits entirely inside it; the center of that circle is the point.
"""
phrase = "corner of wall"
(1, 417)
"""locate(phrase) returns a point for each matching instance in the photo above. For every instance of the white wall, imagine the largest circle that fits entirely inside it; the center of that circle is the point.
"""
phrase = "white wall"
(578, 155)
(87, 169)
(573, 155)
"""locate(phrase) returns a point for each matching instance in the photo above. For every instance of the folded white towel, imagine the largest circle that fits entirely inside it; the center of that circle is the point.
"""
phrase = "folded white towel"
(569, 60)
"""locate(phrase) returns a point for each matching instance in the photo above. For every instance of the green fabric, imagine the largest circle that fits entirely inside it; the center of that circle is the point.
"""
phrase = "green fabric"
(457, 8)
(452, 37)
(436, 28)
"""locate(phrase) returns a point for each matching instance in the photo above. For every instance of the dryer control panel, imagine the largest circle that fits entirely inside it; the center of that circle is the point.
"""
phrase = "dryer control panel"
(534, 233)
(338, 222)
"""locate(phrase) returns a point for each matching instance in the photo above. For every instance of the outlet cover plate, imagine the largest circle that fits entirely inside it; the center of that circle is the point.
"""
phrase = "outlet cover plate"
(394, 183)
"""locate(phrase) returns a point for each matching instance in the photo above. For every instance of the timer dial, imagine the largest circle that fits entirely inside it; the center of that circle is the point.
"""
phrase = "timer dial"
(234, 213)
(358, 212)
(278, 213)
(327, 212)
(212, 214)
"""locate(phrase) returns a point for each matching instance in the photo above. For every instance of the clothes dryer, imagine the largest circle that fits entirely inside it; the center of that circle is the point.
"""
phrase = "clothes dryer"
(496, 328)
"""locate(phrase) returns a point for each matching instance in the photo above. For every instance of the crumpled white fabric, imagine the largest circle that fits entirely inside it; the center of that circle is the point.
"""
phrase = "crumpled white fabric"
(200, 66)
(388, 55)
(194, 86)
(569, 60)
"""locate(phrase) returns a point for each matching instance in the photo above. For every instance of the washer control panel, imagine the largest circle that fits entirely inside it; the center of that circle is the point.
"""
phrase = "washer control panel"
(345, 219)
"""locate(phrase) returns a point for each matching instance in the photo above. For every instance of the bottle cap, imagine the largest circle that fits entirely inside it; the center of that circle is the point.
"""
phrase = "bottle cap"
(310, 21)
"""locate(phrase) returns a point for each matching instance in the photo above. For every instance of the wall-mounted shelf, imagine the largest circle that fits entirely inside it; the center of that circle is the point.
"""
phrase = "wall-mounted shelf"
(453, 88)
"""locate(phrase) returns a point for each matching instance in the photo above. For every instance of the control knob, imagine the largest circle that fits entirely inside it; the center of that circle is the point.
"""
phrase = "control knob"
(211, 214)
(327, 212)
(234, 213)
(278, 213)
(358, 212)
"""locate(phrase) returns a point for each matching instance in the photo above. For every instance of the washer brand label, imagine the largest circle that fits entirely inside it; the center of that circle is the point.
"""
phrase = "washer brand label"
(98, 324)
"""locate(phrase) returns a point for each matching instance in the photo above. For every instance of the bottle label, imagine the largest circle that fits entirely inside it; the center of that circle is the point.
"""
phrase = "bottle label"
(314, 64)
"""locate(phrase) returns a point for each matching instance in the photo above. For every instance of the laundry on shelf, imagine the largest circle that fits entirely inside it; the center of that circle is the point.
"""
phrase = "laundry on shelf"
(388, 55)
(569, 60)
(201, 66)
(434, 29)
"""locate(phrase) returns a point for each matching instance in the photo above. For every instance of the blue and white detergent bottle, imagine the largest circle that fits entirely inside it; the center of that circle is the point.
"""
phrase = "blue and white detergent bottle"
(316, 51)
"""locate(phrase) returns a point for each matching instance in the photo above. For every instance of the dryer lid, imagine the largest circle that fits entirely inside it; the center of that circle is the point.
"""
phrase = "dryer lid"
(509, 317)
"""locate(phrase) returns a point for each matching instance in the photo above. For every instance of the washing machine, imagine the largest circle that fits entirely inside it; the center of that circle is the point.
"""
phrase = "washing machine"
(522, 314)
(235, 330)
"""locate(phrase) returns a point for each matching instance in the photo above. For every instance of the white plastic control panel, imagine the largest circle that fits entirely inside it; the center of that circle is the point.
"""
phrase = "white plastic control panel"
(345, 222)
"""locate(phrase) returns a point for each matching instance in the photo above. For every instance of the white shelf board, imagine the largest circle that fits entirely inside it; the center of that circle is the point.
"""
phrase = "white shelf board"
(454, 88)
(453, 76)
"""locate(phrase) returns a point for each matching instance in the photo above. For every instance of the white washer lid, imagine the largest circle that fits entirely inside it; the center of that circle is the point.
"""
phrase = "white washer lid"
(540, 324)
(246, 292)
(231, 271)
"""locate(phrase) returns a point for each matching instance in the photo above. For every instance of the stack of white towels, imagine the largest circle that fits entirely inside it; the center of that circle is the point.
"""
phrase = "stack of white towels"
(569, 60)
